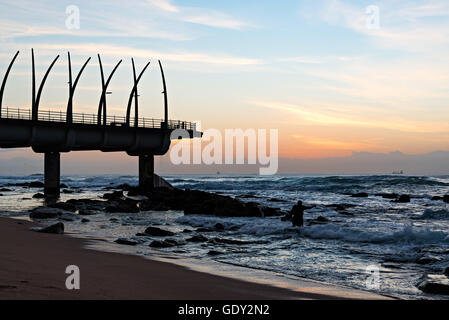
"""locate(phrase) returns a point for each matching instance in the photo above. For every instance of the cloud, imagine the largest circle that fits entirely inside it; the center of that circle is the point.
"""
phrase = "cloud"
(164, 5)
(317, 115)
(401, 26)
(201, 16)
(121, 51)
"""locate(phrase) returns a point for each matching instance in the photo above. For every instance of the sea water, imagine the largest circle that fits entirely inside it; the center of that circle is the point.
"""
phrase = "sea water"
(393, 237)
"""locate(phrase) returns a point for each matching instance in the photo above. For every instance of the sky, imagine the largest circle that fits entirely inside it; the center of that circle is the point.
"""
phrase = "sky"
(333, 76)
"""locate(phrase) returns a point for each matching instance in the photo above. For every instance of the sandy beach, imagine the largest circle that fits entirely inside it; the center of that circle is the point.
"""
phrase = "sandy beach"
(33, 267)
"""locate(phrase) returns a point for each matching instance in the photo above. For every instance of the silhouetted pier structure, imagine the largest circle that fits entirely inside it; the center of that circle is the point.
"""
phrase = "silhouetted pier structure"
(53, 132)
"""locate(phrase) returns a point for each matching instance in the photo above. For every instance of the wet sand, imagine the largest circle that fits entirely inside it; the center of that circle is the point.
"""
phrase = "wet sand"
(33, 266)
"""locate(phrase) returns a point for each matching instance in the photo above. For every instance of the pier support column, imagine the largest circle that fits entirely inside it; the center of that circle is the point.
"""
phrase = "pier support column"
(146, 172)
(52, 173)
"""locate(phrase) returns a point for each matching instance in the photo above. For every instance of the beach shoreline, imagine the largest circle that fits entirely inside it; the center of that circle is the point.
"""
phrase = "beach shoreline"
(34, 264)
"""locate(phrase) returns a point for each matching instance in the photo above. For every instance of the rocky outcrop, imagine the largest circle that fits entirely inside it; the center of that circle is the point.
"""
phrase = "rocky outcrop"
(157, 232)
(403, 198)
(45, 213)
(57, 228)
(164, 199)
(434, 283)
(360, 195)
(126, 242)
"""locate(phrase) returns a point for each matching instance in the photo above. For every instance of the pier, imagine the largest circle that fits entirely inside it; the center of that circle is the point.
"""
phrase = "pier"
(54, 132)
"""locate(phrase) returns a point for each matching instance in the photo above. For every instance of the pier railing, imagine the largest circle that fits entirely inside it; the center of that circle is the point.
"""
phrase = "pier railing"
(88, 118)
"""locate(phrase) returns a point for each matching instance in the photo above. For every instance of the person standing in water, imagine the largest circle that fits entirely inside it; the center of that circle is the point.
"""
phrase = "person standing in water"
(297, 214)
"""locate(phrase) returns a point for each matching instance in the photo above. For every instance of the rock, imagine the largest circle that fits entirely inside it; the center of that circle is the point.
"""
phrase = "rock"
(116, 195)
(427, 259)
(84, 220)
(45, 213)
(187, 231)
(446, 271)
(322, 219)
(161, 244)
(66, 191)
(446, 198)
(219, 226)
(214, 253)
(124, 187)
(276, 200)
(403, 198)
(437, 198)
(36, 184)
(157, 232)
(126, 242)
(86, 212)
(113, 220)
(38, 196)
(197, 238)
(360, 195)
(5, 190)
(205, 230)
(63, 186)
(57, 228)
(64, 206)
(434, 283)
(126, 206)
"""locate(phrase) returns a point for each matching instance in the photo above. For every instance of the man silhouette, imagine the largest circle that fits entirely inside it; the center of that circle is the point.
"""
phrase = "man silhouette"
(297, 213)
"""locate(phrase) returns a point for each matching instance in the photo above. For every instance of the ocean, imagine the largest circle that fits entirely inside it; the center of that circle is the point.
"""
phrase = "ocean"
(403, 240)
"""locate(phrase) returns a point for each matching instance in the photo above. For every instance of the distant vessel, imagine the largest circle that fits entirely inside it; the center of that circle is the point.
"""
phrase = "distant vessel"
(398, 172)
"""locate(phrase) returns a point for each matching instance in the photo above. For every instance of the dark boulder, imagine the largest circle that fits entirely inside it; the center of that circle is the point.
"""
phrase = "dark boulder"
(86, 212)
(63, 186)
(434, 283)
(116, 195)
(63, 205)
(197, 238)
(446, 198)
(437, 198)
(126, 242)
(360, 195)
(446, 271)
(57, 228)
(219, 226)
(428, 259)
(403, 198)
(157, 232)
(5, 190)
(214, 253)
(161, 244)
(126, 206)
(38, 196)
(84, 220)
(36, 184)
(45, 213)
(322, 219)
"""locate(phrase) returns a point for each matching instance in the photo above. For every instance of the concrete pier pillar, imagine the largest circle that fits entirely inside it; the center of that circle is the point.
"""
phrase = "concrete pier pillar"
(146, 172)
(52, 173)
